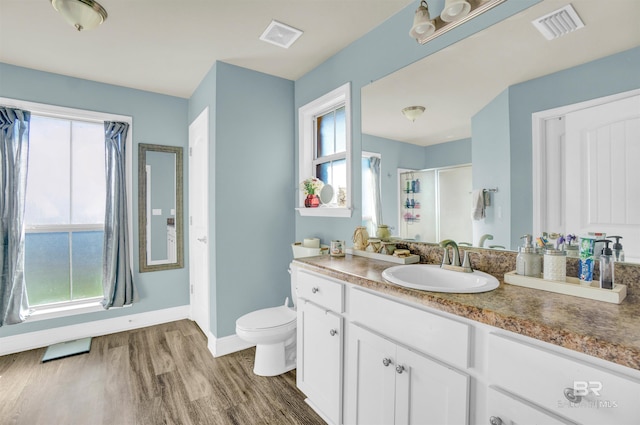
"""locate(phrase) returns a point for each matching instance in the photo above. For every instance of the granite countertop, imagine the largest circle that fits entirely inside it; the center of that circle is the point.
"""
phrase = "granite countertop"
(608, 331)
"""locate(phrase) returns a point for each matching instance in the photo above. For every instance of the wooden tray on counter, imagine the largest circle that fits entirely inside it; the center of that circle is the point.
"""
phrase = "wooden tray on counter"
(411, 259)
(571, 286)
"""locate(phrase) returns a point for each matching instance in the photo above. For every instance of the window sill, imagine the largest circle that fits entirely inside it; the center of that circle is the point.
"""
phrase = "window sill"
(52, 312)
(324, 211)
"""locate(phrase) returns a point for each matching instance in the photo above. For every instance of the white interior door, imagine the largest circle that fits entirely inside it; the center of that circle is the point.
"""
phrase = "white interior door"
(603, 171)
(199, 220)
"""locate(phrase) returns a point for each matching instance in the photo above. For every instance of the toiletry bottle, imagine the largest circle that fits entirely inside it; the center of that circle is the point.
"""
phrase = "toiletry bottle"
(618, 253)
(606, 265)
(528, 262)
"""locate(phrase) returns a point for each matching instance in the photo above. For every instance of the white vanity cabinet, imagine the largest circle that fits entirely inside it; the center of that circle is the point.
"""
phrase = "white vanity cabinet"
(392, 374)
(558, 382)
(390, 384)
(319, 343)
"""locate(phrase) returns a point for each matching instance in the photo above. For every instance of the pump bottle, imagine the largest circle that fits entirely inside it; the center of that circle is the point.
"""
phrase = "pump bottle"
(618, 253)
(528, 262)
(606, 265)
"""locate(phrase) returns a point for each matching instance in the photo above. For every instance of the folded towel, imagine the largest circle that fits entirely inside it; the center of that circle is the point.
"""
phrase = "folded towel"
(477, 204)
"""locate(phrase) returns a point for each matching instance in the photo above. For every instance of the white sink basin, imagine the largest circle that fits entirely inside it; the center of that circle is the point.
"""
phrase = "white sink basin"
(430, 277)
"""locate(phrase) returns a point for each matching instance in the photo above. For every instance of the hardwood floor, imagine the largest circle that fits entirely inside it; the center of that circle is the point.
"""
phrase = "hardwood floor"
(158, 375)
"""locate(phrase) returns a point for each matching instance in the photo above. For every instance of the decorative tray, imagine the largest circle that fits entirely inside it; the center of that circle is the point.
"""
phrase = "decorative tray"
(411, 259)
(571, 286)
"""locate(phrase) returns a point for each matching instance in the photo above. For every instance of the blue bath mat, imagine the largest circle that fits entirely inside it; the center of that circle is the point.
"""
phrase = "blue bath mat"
(66, 349)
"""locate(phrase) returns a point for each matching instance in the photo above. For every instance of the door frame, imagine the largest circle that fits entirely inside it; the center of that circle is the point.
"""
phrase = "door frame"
(538, 125)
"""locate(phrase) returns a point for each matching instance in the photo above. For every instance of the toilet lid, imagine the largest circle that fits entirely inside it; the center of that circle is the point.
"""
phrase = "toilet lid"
(267, 318)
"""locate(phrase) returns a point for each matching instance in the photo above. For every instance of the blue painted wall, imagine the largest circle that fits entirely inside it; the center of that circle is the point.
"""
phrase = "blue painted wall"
(157, 119)
(490, 152)
(380, 52)
(396, 155)
(251, 190)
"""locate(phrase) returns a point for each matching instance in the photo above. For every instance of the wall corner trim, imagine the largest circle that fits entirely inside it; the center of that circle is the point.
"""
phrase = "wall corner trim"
(226, 345)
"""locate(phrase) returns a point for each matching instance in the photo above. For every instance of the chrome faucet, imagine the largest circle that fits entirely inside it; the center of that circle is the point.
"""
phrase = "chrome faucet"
(454, 264)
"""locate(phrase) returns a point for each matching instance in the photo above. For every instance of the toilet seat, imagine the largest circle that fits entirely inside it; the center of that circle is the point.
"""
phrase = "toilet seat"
(268, 318)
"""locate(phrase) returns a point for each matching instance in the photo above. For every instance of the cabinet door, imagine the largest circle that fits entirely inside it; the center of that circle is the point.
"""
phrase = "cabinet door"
(320, 358)
(428, 392)
(371, 377)
(507, 409)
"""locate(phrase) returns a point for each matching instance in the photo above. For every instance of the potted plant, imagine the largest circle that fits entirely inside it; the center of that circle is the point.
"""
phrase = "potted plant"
(311, 187)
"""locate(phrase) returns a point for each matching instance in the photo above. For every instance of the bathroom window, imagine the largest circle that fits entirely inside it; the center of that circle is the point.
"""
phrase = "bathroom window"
(325, 148)
(65, 208)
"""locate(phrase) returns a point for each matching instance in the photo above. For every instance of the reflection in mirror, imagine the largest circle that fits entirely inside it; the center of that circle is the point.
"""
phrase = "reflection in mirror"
(480, 94)
(160, 207)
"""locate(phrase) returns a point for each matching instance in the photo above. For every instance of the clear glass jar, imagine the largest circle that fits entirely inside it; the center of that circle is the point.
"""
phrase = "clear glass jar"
(555, 265)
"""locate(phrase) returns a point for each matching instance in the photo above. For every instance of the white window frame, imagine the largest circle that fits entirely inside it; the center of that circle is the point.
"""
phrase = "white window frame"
(69, 308)
(306, 146)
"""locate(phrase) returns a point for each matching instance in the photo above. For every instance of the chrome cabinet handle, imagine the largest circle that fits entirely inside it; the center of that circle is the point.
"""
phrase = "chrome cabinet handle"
(399, 368)
(571, 396)
(202, 239)
(495, 420)
(386, 361)
(314, 290)
(333, 332)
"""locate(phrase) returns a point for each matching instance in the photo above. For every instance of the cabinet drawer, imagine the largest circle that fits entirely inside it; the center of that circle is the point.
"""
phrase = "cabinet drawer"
(323, 291)
(505, 408)
(550, 380)
(428, 333)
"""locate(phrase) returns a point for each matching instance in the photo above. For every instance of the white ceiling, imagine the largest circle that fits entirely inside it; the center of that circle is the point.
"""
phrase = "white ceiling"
(167, 46)
(458, 81)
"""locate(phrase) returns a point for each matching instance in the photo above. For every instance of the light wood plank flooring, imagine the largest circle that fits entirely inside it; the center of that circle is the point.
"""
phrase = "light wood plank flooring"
(157, 375)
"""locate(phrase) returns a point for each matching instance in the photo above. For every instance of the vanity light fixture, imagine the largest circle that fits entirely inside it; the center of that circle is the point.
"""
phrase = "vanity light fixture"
(454, 10)
(82, 14)
(423, 25)
(455, 13)
(413, 112)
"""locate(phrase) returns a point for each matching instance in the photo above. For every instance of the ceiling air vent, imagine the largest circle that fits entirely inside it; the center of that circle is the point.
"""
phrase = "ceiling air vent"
(280, 34)
(558, 23)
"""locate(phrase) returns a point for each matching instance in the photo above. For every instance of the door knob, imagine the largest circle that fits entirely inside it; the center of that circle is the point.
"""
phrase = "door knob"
(333, 332)
(399, 368)
(202, 239)
(495, 420)
(314, 290)
(386, 361)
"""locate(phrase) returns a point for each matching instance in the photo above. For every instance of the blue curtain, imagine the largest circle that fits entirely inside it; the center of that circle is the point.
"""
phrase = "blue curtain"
(14, 150)
(117, 280)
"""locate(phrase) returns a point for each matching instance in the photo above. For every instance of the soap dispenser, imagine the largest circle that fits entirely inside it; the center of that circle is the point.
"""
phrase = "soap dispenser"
(618, 253)
(528, 262)
(606, 265)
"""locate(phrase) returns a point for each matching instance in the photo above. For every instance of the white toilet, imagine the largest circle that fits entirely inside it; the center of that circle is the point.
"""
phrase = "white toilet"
(273, 331)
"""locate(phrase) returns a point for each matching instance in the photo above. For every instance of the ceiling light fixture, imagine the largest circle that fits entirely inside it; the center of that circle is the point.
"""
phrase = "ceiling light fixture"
(413, 112)
(82, 14)
(423, 26)
(454, 10)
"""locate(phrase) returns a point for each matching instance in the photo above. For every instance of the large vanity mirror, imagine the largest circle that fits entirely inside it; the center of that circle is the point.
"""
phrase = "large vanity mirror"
(160, 222)
(480, 95)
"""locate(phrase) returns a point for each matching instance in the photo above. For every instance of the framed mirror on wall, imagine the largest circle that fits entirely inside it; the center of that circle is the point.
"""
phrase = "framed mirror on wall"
(160, 207)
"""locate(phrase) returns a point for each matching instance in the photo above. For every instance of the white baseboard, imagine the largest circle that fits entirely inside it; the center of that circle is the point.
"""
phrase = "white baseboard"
(226, 345)
(37, 339)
